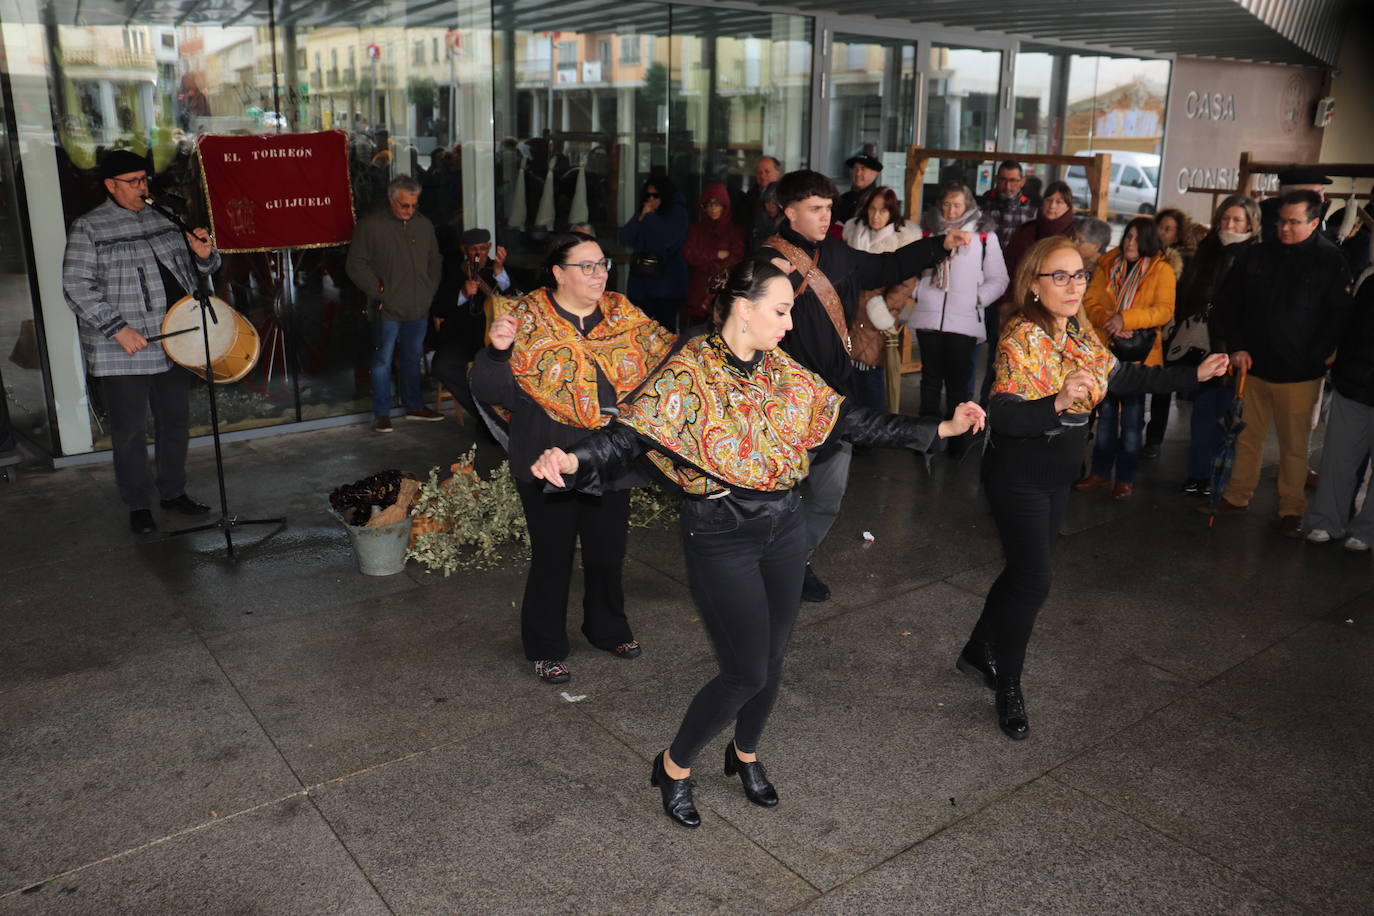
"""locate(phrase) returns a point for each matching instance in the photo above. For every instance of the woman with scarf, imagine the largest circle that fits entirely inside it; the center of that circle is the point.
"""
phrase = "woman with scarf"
(951, 300)
(713, 244)
(879, 228)
(1051, 373)
(1054, 218)
(1132, 295)
(1178, 243)
(561, 363)
(1233, 230)
(731, 420)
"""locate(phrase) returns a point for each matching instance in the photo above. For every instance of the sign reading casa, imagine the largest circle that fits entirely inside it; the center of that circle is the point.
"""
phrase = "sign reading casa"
(1211, 107)
(277, 191)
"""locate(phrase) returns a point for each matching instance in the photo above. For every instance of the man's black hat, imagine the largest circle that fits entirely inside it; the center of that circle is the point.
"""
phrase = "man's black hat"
(864, 160)
(474, 237)
(1304, 175)
(122, 162)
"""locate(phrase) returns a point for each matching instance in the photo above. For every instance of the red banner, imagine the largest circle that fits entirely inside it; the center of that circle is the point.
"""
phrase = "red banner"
(269, 191)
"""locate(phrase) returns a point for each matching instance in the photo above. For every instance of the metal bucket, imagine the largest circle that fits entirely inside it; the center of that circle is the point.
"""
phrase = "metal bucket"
(381, 551)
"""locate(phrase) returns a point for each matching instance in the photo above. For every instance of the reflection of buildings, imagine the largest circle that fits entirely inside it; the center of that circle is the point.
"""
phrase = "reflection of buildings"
(1127, 117)
(119, 80)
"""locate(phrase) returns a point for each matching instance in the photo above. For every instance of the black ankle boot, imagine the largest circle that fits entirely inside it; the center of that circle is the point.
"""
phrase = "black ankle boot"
(677, 795)
(1011, 708)
(757, 788)
(978, 662)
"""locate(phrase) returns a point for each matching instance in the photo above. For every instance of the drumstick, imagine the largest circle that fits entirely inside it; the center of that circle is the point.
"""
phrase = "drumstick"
(172, 333)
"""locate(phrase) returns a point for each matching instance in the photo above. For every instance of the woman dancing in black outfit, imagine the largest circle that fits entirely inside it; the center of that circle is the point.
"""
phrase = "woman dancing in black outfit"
(730, 419)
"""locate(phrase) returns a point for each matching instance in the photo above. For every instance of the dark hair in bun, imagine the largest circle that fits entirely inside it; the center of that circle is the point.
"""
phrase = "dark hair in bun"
(746, 280)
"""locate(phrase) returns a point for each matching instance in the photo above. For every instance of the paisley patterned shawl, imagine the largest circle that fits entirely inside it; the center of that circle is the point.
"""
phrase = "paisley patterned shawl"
(1032, 364)
(746, 430)
(556, 365)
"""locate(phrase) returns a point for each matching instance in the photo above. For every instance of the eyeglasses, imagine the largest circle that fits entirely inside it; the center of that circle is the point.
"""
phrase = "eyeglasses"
(1295, 222)
(1062, 277)
(591, 268)
(132, 181)
(654, 194)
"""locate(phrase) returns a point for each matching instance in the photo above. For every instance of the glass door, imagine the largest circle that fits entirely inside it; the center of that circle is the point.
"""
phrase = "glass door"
(871, 99)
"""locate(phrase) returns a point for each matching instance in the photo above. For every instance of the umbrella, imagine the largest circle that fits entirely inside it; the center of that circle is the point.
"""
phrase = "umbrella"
(515, 217)
(544, 216)
(577, 212)
(892, 368)
(1231, 426)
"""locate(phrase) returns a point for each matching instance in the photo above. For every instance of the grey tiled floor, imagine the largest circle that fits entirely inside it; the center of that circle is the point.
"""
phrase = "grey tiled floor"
(284, 735)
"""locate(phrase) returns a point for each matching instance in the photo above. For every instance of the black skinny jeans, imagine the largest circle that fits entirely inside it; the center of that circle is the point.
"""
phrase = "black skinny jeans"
(946, 368)
(556, 522)
(746, 576)
(1028, 517)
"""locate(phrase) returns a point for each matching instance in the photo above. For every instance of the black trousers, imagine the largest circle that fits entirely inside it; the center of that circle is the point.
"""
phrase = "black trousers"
(127, 399)
(746, 577)
(946, 368)
(557, 521)
(450, 367)
(1028, 517)
(1159, 418)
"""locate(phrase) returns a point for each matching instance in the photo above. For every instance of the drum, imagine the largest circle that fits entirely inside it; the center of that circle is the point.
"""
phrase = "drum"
(234, 343)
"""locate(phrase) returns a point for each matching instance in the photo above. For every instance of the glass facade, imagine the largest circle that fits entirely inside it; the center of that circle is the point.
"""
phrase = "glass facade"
(519, 116)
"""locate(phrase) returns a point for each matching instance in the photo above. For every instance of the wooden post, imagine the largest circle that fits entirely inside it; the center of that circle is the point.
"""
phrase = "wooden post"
(1099, 181)
(916, 165)
(1243, 176)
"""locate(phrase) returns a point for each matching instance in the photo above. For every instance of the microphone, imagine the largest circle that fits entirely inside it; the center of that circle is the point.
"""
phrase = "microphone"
(176, 220)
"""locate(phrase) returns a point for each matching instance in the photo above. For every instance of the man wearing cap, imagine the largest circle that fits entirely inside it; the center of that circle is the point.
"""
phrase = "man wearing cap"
(863, 172)
(1280, 312)
(459, 310)
(394, 259)
(1300, 179)
(124, 265)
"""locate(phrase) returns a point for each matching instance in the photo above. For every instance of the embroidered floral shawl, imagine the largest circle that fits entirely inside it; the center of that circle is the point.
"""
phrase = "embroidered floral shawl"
(556, 365)
(748, 430)
(1032, 364)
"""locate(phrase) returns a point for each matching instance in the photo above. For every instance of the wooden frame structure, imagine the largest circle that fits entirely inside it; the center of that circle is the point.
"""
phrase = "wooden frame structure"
(1098, 166)
(1251, 167)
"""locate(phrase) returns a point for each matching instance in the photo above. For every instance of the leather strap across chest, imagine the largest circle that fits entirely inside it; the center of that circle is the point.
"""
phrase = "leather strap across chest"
(820, 284)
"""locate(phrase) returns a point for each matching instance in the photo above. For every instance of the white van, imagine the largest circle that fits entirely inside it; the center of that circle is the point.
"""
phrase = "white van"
(1133, 188)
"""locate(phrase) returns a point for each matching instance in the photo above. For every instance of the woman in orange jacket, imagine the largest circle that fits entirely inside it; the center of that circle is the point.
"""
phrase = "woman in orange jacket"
(1132, 294)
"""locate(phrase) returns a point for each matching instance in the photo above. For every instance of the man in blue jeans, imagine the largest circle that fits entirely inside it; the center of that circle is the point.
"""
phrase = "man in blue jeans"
(394, 259)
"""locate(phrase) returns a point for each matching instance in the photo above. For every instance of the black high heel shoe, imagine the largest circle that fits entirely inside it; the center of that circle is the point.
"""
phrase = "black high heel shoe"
(978, 662)
(677, 795)
(1011, 709)
(757, 788)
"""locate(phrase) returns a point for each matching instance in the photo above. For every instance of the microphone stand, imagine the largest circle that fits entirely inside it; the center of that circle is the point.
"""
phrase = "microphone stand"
(226, 522)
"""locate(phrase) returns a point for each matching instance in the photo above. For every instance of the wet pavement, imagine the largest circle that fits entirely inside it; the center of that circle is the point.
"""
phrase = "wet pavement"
(281, 734)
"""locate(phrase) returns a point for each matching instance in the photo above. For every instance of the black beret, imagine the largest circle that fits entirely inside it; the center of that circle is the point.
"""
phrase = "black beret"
(864, 160)
(122, 162)
(474, 237)
(1304, 175)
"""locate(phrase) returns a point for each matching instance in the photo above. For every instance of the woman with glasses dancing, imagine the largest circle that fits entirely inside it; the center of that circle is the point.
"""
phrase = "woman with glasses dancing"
(561, 363)
(1051, 371)
(731, 419)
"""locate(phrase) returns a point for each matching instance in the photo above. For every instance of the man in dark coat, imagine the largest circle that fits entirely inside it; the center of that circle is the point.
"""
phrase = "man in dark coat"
(819, 339)
(459, 310)
(1349, 435)
(863, 174)
(1302, 179)
(1282, 308)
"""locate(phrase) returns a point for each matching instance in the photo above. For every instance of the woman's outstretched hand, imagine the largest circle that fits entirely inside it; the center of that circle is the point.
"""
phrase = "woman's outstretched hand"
(503, 332)
(968, 416)
(1215, 364)
(553, 464)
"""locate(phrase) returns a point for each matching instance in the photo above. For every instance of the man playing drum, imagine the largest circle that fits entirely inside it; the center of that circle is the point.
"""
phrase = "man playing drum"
(125, 264)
